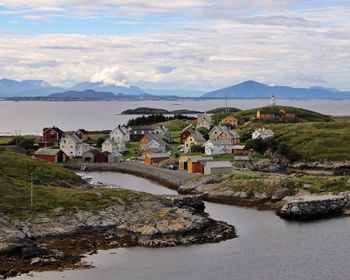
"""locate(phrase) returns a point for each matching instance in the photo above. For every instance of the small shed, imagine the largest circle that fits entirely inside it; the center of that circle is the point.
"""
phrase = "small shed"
(218, 167)
(114, 157)
(51, 155)
(156, 158)
(90, 156)
(102, 157)
(194, 165)
(183, 162)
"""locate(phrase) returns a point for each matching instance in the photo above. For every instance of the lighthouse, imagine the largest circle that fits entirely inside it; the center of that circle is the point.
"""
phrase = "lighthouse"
(273, 101)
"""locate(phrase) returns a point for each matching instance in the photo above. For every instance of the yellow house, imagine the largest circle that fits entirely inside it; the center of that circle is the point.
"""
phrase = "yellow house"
(232, 120)
(194, 139)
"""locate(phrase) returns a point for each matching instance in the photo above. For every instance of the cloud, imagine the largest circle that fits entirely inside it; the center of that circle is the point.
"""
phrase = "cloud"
(212, 50)
(111, 76)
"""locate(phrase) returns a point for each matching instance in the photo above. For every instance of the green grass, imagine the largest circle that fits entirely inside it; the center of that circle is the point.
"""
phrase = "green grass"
(302, 115)
(133, 150)
(313, 141)
(253, 182)
(4, 140)
(174, 125)
(15, 188)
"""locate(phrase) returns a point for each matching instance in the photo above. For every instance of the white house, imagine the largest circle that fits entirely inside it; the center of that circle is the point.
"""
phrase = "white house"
(112, 146)
(216, 131)
(262, 133)
(218, 147)
(73, 146)
(120, 134)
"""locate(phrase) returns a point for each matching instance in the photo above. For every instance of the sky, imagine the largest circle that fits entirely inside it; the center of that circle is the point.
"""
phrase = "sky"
(196, 45)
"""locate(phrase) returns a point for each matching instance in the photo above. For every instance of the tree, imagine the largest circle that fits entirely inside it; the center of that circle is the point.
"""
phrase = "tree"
(100, 141)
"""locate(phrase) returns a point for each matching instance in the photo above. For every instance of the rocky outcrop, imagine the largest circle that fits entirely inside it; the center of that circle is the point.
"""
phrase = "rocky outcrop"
(46, 243)
(311, 207)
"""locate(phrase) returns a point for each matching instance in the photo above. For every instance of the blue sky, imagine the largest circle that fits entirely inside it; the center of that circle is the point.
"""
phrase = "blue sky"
(178, 45)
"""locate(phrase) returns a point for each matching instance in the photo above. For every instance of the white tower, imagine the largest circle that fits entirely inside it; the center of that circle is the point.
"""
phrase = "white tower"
(273, 101)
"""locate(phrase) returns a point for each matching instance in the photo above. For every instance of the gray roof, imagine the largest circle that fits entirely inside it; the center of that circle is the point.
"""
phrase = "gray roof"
(196, 159)
(155, 137)
(47, 152)
(198, 136)
(74, 138)
(158, 155)
(93, 152)
(220, 142)
(218, 164)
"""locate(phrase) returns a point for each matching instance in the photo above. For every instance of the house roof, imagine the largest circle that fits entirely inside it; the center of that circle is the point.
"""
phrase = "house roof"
(219, 142)
(219, 128)
(218, 164)
(238, 147)
(47, 152)
(158, 155)
(264, 132)
(82, 131)
(232, 133)
(54, 128)
(74, 138)
(197, 136)
(122, 129)
(115, 154)
(189, 127)
(155, 137)
(94, 152)
(199, 158)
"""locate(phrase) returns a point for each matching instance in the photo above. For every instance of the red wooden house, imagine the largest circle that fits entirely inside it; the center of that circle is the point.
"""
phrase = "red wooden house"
(102, 157)
(51, 137)
(51, 155)
(184, 135)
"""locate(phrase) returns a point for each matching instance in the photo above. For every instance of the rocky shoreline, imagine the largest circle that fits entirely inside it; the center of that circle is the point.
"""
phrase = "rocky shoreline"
(52, 243)
(212, 190)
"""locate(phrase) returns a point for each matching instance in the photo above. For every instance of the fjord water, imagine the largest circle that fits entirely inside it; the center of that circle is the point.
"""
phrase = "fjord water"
(267, 248)
(30, 117)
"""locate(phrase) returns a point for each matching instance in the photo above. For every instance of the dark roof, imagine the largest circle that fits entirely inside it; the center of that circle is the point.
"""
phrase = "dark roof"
(145, 127)
(56, 129)
(155, 137)
(94, 152)
(82, 131)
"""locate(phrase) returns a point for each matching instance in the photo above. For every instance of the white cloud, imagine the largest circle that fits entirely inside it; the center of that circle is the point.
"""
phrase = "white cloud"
(111, 76)
(298, 49)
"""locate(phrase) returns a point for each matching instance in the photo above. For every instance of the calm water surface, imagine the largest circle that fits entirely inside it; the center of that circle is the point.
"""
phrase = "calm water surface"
(30, 117)
(267, 248)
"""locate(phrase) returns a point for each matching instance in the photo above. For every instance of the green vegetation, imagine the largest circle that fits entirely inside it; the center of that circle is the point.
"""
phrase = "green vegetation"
(15, 178)
(252, 182)
(301, 115)
(174, 125)
(145, 111)
(223, 110)
(133, 150)
(310, 141)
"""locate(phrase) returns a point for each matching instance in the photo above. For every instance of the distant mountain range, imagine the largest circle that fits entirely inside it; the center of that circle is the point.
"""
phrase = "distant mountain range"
(89, 90)
(252, 89)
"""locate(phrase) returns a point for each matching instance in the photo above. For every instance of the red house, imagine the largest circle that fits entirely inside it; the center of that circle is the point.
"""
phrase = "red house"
(51, 136)
(51, 155)
(82, 134)
(184, 135)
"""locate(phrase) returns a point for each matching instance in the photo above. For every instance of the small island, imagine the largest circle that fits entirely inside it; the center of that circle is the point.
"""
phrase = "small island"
(157, 111)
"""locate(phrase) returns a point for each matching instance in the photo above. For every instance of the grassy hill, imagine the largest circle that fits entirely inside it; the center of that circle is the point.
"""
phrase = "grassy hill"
(301, 115)
(54, 188)
(312, 141)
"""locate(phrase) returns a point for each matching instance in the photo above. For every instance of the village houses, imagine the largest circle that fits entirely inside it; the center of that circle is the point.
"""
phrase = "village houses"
(120, 134)
(262, 133)
(216, 131)
(218, 147)
(163, 133)
(152, 143)
(137, 132)
(204, 120)
(111, 145)
(72, 146)
(51, 155)
(230, 135)
(186, 132)
(51, 137)
(194, 139)
(229, 120)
